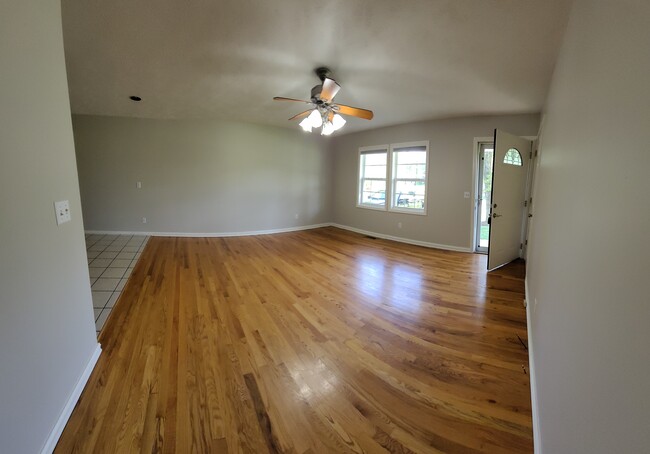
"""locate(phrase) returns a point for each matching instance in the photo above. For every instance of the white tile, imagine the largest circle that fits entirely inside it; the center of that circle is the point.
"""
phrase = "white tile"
(127, 273)
(126, 255)
(107, 255)
(92, 254)
(96, 248)
(120, 263)
(121, 285)
(116, 273)
(92, 280)
(131, 249)
(96, 272)
(105, 284)
(113, 248)
(113, 299)
(100, 263)
(100, 299)
(99, 324)
(97, 312)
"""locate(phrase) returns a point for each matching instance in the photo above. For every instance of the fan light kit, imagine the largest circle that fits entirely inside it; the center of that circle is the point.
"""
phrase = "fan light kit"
(325, 114)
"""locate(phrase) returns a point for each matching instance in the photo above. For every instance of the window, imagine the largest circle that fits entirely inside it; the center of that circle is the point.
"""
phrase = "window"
(409, 177)
(395, 180)
(512, 157)
(373, 167)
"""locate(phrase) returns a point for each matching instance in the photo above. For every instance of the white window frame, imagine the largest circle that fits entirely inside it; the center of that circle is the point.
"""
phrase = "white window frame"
(361, 179)
(393, 149)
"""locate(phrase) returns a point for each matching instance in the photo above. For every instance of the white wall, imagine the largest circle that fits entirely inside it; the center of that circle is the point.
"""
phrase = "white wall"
(199, 176)
(589, 253)
(451, 151)
(47, 334)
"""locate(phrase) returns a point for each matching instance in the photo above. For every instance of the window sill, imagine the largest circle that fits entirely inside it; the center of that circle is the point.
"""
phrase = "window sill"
(372, 207)
(407, 211)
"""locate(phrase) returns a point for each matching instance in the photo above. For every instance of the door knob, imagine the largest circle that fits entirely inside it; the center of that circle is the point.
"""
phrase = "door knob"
(494, 215)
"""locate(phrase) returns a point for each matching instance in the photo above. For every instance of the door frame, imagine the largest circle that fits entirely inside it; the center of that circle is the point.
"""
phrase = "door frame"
(474, 192)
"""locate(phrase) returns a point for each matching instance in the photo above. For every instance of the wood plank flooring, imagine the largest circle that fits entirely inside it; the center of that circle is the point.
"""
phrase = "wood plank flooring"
(320, 341)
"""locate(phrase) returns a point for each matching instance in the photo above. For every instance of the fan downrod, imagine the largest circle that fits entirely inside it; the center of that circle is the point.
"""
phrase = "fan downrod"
(323, 72)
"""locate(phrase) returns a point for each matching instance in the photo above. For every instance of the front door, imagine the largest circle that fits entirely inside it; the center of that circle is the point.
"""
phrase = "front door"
(509, 174)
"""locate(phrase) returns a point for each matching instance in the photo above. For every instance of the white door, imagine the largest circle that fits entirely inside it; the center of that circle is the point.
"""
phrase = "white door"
(510, 171)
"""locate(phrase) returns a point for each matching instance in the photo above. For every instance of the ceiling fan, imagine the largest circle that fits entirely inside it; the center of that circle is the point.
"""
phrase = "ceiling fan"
(325, 113)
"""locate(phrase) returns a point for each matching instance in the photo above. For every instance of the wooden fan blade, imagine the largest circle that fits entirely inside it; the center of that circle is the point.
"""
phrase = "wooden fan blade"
(301, 115)
(355, 111)
(280, 98)
(329, 90)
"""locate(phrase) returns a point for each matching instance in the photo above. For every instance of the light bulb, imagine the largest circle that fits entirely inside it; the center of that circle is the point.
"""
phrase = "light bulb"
(315, 119)
(338, 122)
(305, 125)
(328, 128)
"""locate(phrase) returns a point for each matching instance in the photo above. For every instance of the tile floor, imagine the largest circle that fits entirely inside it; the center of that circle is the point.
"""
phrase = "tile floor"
(111, 259)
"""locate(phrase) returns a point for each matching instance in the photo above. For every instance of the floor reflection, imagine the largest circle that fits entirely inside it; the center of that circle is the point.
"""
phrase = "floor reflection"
(397, 285)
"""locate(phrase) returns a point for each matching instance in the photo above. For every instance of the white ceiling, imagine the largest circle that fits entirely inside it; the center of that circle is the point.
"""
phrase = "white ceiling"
(406, 60)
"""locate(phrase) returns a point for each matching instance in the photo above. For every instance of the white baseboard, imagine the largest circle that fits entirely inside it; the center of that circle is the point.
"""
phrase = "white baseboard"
(403, 240)
(56, 432)
(533, 383)
(210, 234)
(285, 230)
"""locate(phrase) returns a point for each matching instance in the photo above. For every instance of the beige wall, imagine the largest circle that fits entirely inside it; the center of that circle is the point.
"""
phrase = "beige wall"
(199, 176)
(451, 149)
(47, 334)
(588, 267)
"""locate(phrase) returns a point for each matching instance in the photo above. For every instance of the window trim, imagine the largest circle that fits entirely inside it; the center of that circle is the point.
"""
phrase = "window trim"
(393, 180)
(384, 148)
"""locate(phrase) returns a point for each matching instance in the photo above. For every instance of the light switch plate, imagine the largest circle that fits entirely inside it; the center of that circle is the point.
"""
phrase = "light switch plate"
(466, 195)
(62, 209)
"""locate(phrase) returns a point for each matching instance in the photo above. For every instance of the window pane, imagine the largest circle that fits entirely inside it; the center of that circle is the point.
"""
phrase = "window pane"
(512, 157)
(410, 170)
(374, 192)
(410, 164)
(409, 194)
(411, 157)
(374, 159)
(375, 171)
(373, 165)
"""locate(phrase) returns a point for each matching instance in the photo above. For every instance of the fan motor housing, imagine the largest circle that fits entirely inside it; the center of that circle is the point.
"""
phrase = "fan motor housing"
(315, 94)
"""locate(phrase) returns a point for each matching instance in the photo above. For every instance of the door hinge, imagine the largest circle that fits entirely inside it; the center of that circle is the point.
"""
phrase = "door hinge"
(525, 203)
(521, 245)
(526, 242)
(531, 154)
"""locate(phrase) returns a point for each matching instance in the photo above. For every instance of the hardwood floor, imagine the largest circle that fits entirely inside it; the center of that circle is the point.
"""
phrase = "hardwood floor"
(320, 341)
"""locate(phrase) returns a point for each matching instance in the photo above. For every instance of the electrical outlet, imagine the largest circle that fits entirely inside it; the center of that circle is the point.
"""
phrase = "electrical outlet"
(144, 220)
(62, 210)
(466, 195)
(138, 185)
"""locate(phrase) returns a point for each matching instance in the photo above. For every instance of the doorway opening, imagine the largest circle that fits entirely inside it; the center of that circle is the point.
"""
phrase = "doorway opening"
(484, 196)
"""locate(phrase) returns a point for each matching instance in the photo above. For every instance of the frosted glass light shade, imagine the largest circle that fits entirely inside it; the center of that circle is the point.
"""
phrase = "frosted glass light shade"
(328, 128)
(305, 124)
(338, 122)
(315, 119)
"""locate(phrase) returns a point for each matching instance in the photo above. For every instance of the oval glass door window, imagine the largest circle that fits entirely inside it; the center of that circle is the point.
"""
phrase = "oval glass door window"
(513, 157)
